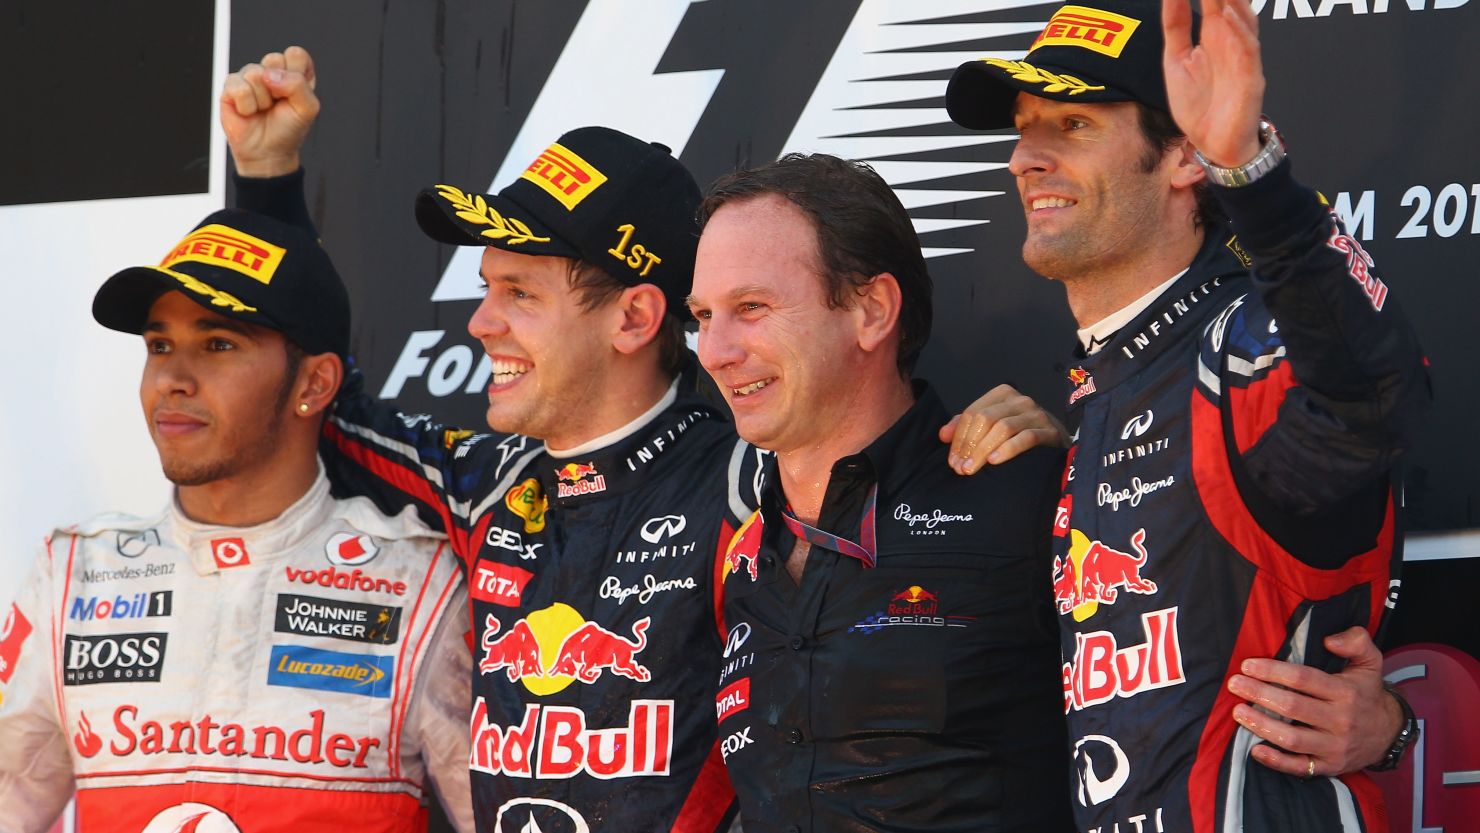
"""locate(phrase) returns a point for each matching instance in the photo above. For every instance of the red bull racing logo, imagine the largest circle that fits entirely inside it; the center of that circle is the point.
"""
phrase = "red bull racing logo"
(1102, 670)
(914, 606)
(1084, 384)
(551, 648)
(574, 482)
(1095, 573)
(744, 548)
(556, 742)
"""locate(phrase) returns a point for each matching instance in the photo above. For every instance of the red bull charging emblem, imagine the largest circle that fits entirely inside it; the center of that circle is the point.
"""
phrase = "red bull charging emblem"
(744, 548)
(574, 480)
(1095, 573)
(553, 647)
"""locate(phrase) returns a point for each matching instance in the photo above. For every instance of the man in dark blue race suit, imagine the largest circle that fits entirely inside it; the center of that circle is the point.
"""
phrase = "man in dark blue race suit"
(1240, 403)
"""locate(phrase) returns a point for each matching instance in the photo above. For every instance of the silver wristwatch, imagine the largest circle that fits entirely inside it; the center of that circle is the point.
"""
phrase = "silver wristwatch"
(1270, 155)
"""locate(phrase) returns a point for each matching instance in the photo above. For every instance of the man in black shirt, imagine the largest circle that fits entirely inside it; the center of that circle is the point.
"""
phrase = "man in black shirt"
(890, 664)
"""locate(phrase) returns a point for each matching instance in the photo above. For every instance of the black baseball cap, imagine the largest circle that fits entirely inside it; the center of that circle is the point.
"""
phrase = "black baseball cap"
(245, 266)
(1104, 52)
(621, 204)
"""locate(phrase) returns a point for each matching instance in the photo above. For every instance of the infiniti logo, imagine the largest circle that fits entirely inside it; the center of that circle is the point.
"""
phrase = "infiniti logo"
(1092, 789)
(663, 526)
(1137, 425)
(738, 635)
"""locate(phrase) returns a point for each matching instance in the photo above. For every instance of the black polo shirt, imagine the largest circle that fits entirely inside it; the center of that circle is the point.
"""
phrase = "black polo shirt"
(921, 694)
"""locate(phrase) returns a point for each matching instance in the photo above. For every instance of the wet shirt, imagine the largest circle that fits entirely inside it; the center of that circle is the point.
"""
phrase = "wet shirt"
(917, 694)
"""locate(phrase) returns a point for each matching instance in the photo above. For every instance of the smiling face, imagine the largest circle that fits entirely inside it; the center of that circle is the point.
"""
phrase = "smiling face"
(549, 355)
(1092, 202)
(215, 392)
(778, 353)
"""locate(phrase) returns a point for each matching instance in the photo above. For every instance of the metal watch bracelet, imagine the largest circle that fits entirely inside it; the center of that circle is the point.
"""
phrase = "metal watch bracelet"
(1271, 154)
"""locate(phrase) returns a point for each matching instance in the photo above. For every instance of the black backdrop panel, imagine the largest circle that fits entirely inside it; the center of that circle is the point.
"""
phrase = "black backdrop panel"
(105, 100)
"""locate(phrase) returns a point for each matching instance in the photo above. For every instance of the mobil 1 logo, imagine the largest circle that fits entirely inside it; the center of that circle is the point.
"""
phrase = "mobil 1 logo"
(114, 658)
(352, 621)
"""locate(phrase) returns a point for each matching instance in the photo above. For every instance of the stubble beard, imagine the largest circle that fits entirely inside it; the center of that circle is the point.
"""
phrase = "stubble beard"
(195, 472)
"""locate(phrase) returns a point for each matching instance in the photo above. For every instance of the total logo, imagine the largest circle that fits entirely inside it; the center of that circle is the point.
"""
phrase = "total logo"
(309, 744)
(573, 482)
(553, 647)
(191, 817)
(500, 584)
(1102, 670)
(136, 606)
(1095, 573)
(350, 550)
(743, 551)
(556, 817)
(556, 742)
(732, 699)
(230, 552)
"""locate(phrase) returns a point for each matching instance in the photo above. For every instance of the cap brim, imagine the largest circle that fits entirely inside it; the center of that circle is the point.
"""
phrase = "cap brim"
(450, 215)
(980, 94)
(123, 302)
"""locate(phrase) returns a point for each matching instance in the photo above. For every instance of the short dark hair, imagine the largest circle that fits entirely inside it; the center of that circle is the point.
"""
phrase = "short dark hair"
(862, 231)
(1162, 134)
(595, 287)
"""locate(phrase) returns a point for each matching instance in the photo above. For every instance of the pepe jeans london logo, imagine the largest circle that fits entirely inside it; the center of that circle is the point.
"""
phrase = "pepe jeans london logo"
(927, 523)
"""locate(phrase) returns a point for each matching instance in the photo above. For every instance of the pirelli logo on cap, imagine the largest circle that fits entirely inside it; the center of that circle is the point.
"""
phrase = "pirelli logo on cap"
(227, 248)
(564, 175)
(1099, 31)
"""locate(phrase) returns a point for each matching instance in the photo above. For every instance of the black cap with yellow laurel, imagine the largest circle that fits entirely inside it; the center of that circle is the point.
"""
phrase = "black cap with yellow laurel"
(1110, 51)
(621, 204)
(245, 266)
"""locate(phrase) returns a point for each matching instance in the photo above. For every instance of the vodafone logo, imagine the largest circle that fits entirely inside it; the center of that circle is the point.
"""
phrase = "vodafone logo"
(191, 817)
(350, 550)
(229, 552)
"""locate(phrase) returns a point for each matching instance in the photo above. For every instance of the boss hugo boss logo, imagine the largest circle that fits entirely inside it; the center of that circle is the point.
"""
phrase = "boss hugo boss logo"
(116, 658)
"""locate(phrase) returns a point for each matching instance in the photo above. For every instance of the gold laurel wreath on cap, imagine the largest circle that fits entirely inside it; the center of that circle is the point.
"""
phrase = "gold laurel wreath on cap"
(218, 298)
(473, 208)
(1026, 72)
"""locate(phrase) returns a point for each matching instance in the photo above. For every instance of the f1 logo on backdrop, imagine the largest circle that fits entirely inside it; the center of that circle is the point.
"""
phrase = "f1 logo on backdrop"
(865, 103)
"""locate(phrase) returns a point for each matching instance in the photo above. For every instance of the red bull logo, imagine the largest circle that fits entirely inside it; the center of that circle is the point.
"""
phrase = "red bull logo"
(914, 601)
(573, 480)
(1102, 670)
(551, 648)
(1095, 573)
(556, 742)
(1099, 31)
(744, 548)
(1084, 384)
